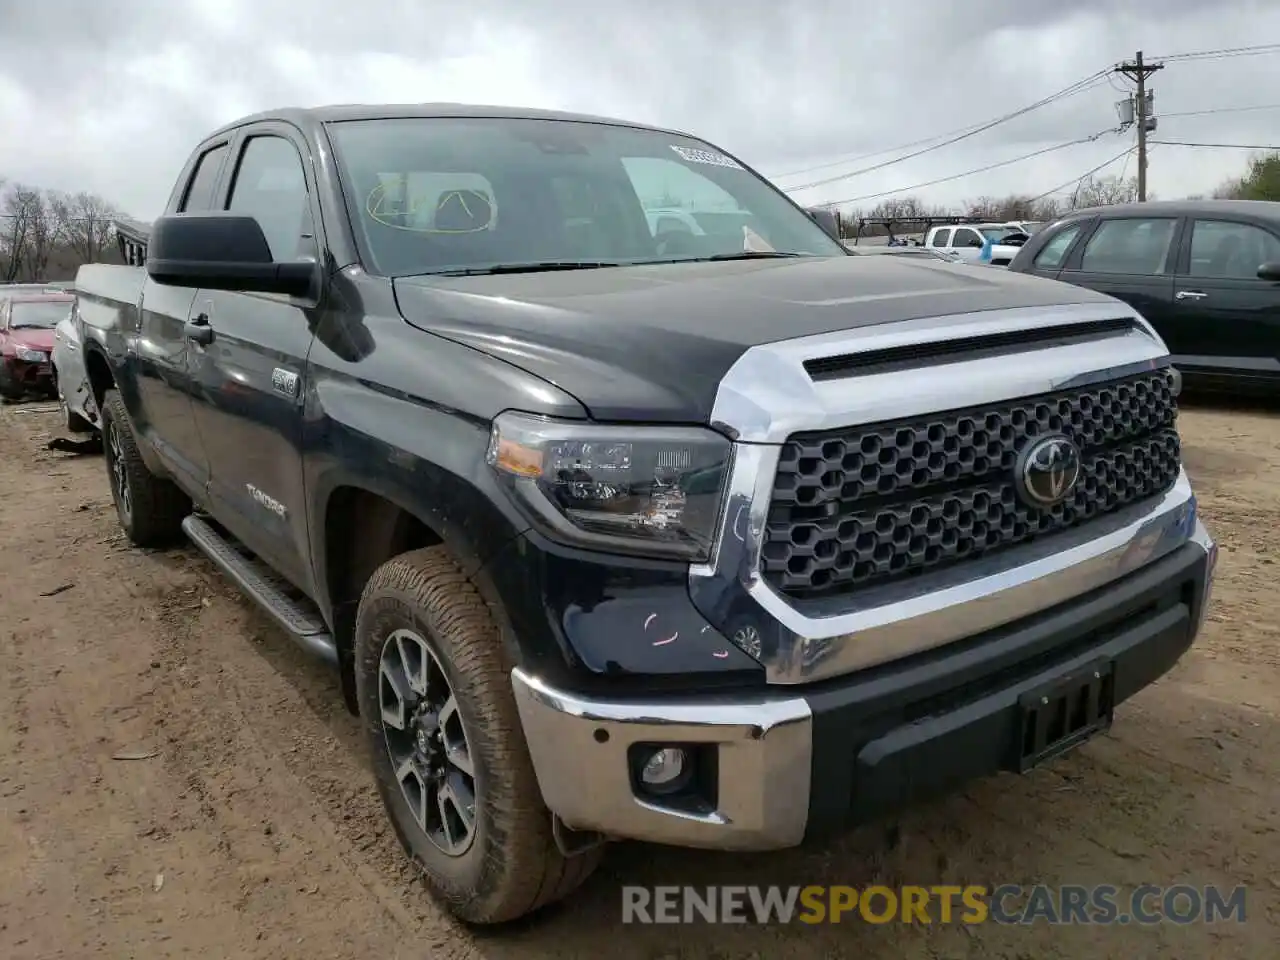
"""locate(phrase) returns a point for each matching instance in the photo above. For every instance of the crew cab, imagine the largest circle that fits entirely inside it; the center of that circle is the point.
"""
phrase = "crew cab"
(724, 540)
(1204, 273)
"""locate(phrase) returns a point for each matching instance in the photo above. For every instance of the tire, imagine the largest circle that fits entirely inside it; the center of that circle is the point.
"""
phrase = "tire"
(74, 422)
(71, 422)
(511, 866)
(151, 509)
(8, 389)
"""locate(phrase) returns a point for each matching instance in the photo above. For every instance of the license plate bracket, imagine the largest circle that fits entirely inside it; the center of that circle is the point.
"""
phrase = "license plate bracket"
(1064, 713)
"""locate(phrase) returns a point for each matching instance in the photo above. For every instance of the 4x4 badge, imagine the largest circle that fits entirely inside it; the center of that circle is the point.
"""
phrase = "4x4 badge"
(284, 382)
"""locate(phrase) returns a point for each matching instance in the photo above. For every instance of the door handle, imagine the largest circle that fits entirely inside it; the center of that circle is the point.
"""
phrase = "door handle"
(197, 329)
(1189, 295)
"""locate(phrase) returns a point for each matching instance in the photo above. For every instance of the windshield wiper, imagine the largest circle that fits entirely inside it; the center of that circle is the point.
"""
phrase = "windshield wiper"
(542, 266)
(746, 255)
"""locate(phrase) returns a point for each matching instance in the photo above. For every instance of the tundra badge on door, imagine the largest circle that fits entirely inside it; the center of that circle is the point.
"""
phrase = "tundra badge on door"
(271, 503)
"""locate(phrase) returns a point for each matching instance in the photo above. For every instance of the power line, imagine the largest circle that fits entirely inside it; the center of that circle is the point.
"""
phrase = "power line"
(23, 216)
(1079, 86)
(1222, 146)
(1217, 110)
(1223, 53)
(1086, 83)
(967, 173)
(1088, 173)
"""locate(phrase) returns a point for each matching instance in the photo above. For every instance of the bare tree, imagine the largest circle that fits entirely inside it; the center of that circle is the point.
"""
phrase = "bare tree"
(17, 219)
(1104, 192)
(86, 223)
(46, 232)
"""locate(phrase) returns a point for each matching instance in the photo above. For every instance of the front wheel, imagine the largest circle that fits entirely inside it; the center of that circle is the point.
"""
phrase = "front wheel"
(447, 747)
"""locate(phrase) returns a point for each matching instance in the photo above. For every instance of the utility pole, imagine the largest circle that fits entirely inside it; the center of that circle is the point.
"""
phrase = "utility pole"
(1139, 72)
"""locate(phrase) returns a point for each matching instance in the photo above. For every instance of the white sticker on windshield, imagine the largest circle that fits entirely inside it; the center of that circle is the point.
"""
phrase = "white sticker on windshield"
(694, 155)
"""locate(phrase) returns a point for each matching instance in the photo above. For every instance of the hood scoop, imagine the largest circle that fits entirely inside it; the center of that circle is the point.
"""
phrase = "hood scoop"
(937, 352)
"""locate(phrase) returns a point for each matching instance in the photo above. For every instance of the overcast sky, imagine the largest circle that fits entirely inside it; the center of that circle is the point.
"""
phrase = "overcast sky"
(111, 96)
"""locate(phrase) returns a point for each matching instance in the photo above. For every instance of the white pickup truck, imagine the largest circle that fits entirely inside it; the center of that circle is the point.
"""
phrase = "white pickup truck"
(968, 241)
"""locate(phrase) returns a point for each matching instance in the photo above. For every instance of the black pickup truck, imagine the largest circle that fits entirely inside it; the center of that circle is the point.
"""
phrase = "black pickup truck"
(710, 535)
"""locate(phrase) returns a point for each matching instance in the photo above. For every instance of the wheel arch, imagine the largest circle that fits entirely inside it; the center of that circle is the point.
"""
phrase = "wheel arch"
(360, 522)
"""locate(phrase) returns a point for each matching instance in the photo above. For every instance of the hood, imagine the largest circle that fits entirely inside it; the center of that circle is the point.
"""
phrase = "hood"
(32, 339)
(652, 342)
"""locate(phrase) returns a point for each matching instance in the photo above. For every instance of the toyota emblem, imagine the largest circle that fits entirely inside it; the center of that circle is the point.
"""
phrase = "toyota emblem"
(1048, 470)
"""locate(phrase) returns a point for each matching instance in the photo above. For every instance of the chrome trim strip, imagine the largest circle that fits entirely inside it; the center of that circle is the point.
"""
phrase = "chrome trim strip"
(579, 747)
(767, 396)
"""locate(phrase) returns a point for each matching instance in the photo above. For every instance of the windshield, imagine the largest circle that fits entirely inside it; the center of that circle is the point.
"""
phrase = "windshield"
(448, 195)
(39, 315)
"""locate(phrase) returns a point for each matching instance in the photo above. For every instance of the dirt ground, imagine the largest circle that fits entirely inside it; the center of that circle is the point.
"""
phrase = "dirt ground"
(176, 779)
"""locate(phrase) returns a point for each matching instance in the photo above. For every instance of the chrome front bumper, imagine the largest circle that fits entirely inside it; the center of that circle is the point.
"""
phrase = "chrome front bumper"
(766, 755)
(580, 750)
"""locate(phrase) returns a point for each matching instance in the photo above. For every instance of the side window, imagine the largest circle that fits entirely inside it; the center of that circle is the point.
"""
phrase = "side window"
(204, 180)
(270, 185)
(1133, 246)
(1055, 251)
(941, 239)
(967, 238)
(1231, 251)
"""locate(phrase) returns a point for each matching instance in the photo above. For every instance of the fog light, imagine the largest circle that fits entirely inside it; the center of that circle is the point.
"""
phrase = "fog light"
(665, 770)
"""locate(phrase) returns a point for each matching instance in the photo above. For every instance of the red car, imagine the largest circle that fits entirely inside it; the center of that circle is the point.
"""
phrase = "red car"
(26, 342)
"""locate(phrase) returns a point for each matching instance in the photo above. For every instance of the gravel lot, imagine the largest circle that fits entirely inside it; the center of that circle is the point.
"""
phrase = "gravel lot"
(177, 780)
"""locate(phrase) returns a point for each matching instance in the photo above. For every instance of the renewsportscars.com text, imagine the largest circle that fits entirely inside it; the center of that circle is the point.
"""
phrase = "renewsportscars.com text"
(1005, 904)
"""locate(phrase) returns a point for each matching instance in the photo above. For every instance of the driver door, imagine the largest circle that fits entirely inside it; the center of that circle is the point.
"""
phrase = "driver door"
(249, 376)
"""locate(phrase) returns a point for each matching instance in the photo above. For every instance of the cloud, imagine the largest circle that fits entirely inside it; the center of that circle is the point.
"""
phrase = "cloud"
(112, 97)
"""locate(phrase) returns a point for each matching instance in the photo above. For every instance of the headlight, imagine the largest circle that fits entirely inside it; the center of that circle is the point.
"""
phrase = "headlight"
(31, 356)
(649, 490)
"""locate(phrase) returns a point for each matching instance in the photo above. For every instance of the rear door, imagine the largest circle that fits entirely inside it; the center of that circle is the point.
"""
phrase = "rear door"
(1131, 258)
(1225, 317)
(161, 348)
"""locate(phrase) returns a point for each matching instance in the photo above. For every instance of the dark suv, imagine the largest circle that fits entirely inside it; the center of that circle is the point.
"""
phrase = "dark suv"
(1205, 274)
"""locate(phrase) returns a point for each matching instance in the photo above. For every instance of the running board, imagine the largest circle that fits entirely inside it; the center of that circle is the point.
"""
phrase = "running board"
(264, 587)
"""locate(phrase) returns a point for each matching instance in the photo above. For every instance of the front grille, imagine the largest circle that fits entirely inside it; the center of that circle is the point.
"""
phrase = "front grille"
(866, 505)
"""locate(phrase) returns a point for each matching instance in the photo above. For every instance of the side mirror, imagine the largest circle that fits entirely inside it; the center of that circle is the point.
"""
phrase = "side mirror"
(827, 220)
(1269, 271)
(222, 251)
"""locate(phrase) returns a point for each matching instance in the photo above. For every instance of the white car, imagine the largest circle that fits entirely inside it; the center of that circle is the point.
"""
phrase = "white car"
(72, 380)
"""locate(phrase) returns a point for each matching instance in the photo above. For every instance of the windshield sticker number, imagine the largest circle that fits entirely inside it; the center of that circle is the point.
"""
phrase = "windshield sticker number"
(694, 155)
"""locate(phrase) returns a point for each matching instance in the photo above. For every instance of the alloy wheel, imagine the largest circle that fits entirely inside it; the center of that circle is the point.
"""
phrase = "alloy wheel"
(427, 742)
(118, 471)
